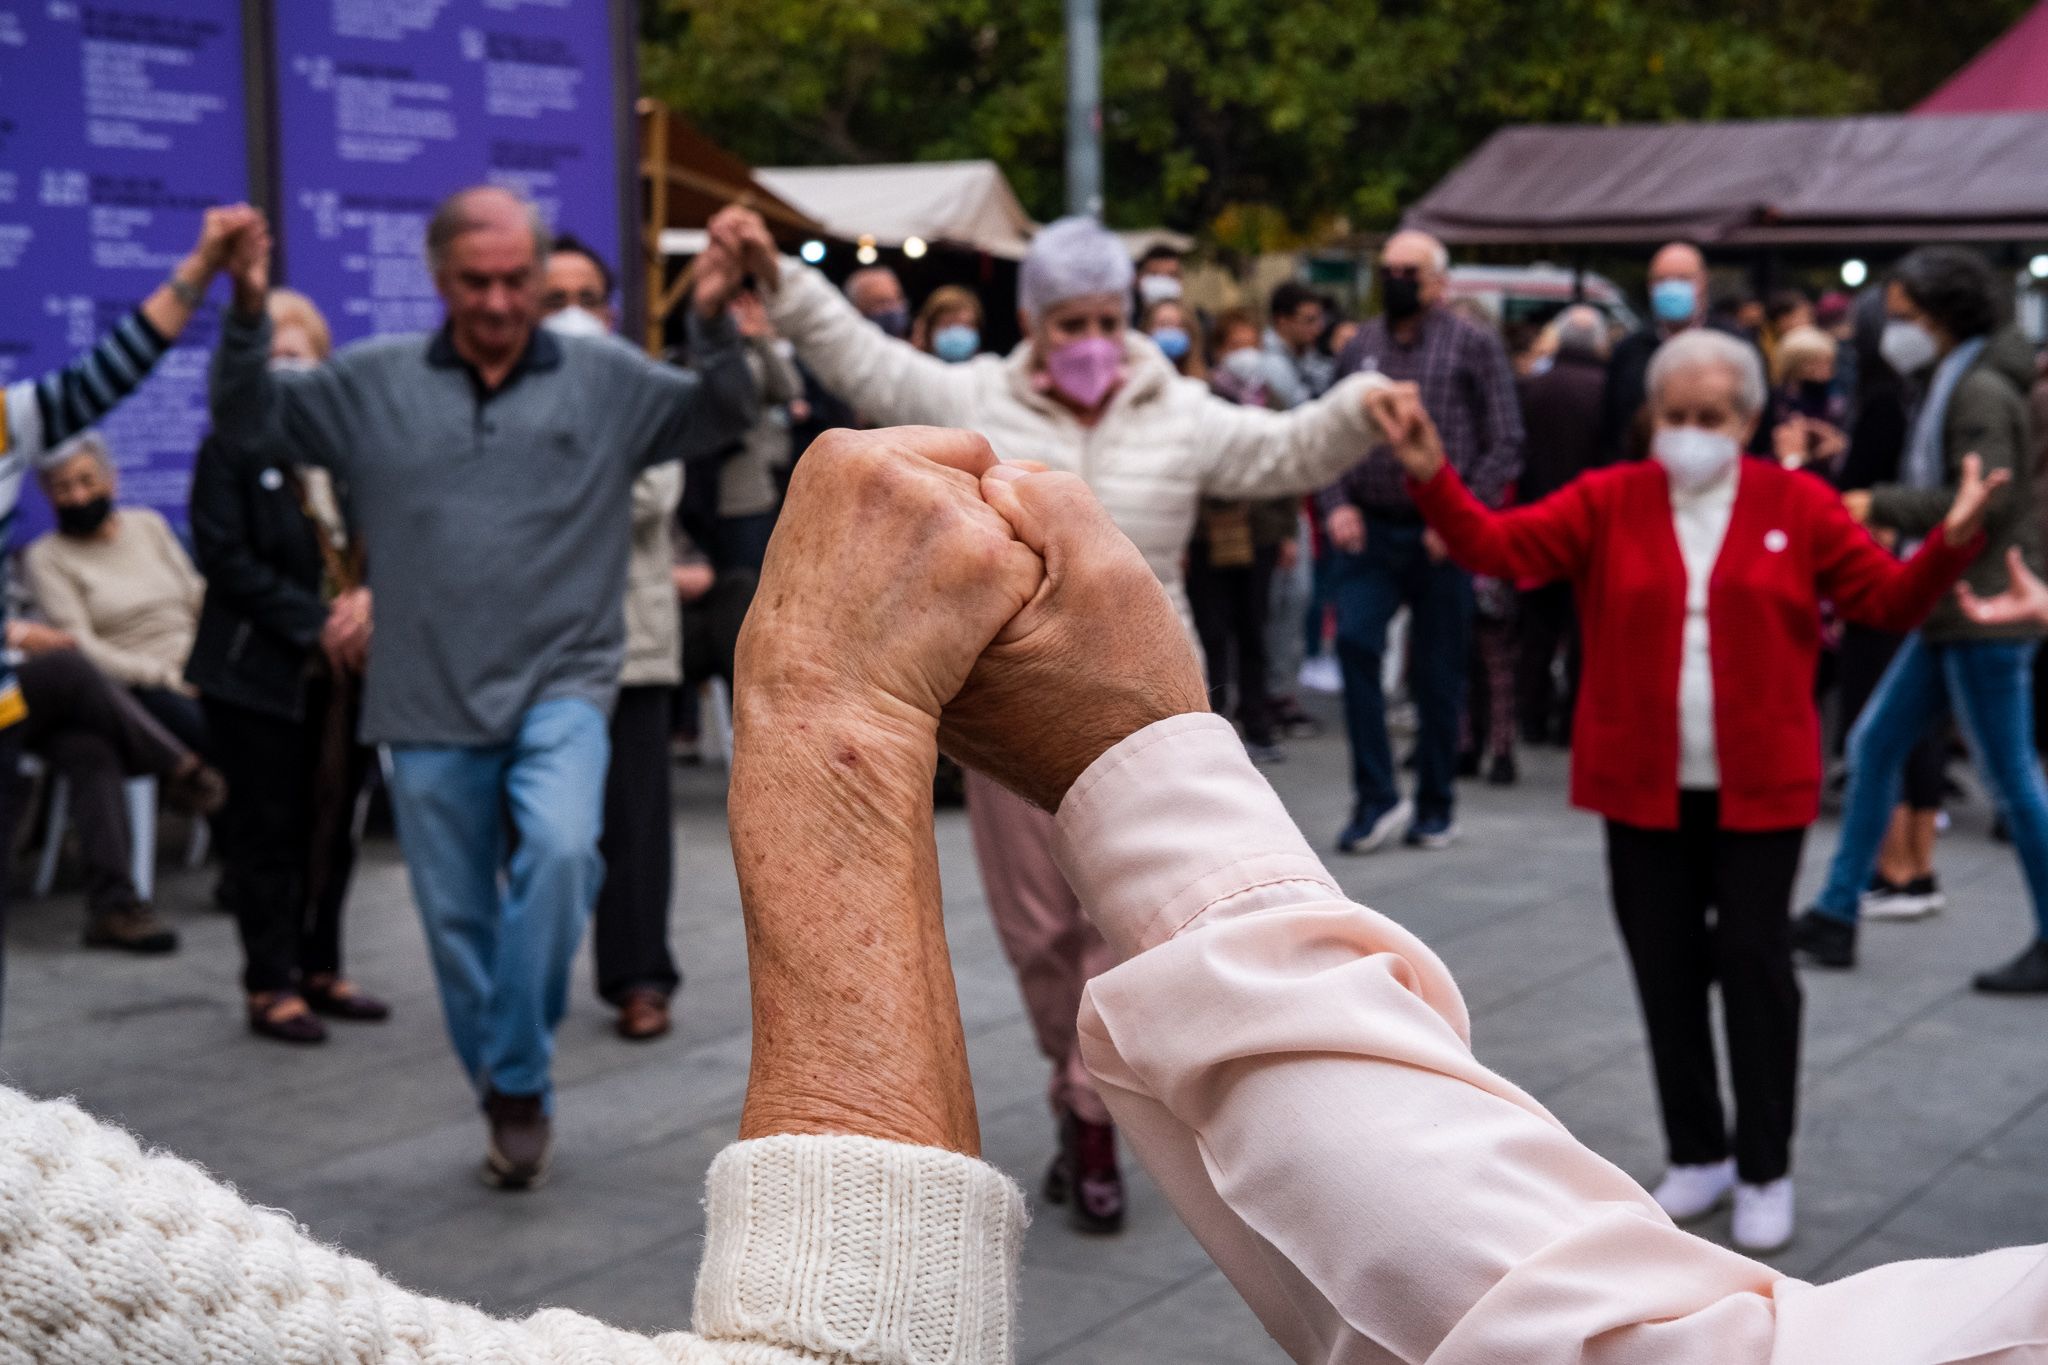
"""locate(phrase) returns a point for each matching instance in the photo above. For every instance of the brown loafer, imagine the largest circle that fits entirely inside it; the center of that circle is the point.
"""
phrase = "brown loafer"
(273, 1015)
(135, 929)
(643, 1015)
(337, 998)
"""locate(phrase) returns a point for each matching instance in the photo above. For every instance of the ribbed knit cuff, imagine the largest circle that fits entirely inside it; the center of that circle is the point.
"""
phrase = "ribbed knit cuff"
(861, 1250)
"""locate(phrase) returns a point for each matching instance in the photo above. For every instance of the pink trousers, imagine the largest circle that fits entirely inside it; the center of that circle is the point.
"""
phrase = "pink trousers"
(1051, 945)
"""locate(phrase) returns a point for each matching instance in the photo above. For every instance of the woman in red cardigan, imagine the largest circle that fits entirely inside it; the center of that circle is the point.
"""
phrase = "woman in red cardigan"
(1699, 576)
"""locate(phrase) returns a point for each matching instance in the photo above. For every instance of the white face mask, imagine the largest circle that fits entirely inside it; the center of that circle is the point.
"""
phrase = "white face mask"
(1158, 288)
(1694, 457)
(1907, 347)
(576, 322)
(1248, 365)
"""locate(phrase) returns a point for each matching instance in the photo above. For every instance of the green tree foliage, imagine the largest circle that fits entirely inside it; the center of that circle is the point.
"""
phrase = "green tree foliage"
(1273, 115)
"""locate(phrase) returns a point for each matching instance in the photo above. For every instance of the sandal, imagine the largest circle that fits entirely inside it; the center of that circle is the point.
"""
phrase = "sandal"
(284, 1016)
(337, 998)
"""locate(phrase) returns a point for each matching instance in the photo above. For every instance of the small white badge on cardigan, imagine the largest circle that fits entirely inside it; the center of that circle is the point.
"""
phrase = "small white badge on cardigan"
(271, 479)
(1775, 542)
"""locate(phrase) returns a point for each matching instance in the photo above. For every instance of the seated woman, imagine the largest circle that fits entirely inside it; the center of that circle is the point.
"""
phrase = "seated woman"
(117, 580)
(1293, 1068)
(278, 662)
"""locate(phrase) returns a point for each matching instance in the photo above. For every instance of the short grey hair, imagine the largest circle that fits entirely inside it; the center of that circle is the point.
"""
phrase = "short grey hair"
(453, 216)
(1582, 331)
(1697, 347)
(88, 443)
(1071, 259)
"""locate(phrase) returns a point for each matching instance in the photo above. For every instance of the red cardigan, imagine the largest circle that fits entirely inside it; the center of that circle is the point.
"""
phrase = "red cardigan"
(1789, 544)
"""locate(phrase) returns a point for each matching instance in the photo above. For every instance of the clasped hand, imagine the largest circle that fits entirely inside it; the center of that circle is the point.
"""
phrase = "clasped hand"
(928, 594)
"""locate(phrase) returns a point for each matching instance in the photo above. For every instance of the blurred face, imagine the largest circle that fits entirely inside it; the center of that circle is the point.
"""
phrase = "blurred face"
(877, 292)
(954, 317)
(1899, 306)
(1092, 315)
(1238, 337)
(78, 481)
(1166, 266)
(1703, 396)
(1815, 370)
(1300, 328)
(1166, 315)
(294, 344)
(490, 284)
(1802, 316)
(1413, 256)
(1680, 262)
(573, 280)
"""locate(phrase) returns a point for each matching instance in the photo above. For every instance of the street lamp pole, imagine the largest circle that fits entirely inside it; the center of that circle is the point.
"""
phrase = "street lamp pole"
(1084, 108)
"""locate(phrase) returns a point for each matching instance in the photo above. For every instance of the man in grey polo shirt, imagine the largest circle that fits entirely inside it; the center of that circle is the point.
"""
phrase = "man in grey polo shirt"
(490, 466)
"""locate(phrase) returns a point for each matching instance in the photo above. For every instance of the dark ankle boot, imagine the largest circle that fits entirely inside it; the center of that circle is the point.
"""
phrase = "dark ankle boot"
(1085, 1177)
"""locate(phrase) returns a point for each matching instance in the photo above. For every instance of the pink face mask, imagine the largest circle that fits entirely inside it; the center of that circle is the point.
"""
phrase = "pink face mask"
(1085, 370)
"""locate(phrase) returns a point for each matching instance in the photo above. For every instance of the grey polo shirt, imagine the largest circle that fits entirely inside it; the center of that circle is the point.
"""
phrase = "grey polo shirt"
(496, 522)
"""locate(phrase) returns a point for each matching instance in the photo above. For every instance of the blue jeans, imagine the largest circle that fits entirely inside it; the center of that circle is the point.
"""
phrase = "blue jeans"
(502, 949)
(1368, 589)
(1988, 684)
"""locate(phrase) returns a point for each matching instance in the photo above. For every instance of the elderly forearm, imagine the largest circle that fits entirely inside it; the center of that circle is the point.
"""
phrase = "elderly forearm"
(856, 1022)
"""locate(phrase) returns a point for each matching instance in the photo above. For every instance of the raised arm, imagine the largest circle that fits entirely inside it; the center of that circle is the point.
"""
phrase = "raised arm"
(1253, 453)
(1294, 1069)
(252, 406)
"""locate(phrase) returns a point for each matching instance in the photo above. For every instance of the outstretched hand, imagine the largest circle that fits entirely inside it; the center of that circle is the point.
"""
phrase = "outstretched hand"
(2024, 601)
(1396, 409)
(1973, 495)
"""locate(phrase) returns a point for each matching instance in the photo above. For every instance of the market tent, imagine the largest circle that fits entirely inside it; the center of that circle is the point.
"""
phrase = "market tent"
(2009, 75)
(1882, 178)
(960, 203)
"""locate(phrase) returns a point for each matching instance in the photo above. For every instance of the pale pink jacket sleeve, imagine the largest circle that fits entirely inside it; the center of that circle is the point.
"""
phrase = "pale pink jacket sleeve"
(1294, 1069)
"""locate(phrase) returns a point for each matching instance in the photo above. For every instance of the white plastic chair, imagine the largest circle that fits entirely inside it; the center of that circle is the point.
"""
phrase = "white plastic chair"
(141, 796)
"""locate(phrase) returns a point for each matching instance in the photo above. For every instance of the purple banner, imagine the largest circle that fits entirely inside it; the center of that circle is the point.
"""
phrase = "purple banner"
(119, 124)
(385, 106)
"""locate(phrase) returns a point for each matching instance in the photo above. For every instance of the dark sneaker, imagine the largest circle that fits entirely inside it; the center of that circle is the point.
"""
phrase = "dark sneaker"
(522, 1140)
(133, 930)
(1370, 830)
(199, 790)
(1085, 1176)
(1824, 940)
(1502, 772)
(1431, 832)
(2026, 974)
(1915, 899)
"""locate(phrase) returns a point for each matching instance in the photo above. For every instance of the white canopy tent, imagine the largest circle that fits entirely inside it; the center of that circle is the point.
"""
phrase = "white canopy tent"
(960, 203)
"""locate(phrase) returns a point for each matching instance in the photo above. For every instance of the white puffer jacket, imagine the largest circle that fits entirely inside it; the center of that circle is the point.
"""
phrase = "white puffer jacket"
(1163, 443)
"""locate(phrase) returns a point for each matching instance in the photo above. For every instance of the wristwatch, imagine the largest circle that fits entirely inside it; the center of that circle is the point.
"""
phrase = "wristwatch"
(191, 295)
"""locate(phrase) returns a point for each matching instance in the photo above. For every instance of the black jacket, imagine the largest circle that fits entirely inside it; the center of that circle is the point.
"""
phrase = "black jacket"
(1561, 423)
(260, 624)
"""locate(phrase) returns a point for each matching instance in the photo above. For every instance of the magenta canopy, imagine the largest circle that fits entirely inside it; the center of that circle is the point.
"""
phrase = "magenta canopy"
(2008, 76)
(1879, 178)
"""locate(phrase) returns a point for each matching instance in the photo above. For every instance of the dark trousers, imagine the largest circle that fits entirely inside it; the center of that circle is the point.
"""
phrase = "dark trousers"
(1368, 589)
(741, 542)
(1665, 883)
(183, 716)
(1861, 662)
(1548, 623)
(288, 831)
(637, 845)
(97, 735)
(1230, 606)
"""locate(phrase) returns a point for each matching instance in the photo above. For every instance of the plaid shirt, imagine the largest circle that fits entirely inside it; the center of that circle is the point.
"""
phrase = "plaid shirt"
(1468, 388)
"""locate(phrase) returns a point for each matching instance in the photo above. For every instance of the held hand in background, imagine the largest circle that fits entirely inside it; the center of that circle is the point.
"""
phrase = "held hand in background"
(1396, 409)
(692, 581)
(345, 639)
(1097, 655)
(1966, 514)
(219, 231)
(745, 236)
(248, 264)
(2024, 602)
(749, 317)
(1346, 528)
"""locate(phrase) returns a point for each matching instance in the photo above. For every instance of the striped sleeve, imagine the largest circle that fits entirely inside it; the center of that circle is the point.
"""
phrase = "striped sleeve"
(38, 414)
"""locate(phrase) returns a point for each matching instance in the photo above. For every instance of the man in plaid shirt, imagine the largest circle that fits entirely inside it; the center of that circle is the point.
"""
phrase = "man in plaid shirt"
(1386, 557)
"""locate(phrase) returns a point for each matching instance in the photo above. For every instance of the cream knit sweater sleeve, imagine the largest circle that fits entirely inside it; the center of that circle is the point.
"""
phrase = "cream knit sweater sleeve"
(821, 1249)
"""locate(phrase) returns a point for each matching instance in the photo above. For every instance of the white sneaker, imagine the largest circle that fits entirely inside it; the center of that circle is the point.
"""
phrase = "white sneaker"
(1321, 674)
(1689, 1192)
(1916, 899)
(1763, 1215)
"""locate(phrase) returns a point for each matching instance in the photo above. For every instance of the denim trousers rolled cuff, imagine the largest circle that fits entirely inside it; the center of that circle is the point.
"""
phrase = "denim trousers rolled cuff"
(1053, 948)
(502, 958)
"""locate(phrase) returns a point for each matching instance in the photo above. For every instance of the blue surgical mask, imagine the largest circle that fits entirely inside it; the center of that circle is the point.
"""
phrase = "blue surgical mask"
(956, 343)
(895, 321)
(1172, 340)
(1674, 301)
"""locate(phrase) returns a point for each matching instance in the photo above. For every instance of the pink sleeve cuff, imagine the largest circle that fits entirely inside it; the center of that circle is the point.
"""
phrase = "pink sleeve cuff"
(1171, 823)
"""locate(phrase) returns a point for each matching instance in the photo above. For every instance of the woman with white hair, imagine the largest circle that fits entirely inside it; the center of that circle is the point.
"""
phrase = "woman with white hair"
(1085, 393)
(1698, 572)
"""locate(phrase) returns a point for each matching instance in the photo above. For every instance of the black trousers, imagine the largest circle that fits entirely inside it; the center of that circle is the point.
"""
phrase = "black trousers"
(1548, 621)
(631, 919)
(98, 736)
(13, 794)
(183, 716)
(1860, 664)
(288, 839)
(1699, 905)
(1230, 607)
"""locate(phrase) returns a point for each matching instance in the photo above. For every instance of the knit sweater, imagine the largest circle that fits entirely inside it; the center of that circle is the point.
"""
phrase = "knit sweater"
(820, 1249)
(132, 599)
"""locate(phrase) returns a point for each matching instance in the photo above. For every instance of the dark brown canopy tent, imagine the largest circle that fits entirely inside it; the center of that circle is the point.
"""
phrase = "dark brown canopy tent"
(1786, 182)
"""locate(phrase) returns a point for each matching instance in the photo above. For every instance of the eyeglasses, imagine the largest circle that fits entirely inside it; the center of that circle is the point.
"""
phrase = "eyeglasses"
(555, 300)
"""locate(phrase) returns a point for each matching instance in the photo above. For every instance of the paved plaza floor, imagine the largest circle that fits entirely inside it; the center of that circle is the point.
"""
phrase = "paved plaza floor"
(1924, 1129)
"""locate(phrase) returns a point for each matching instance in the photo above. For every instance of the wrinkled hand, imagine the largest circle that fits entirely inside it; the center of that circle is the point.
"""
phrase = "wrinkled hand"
(886, 578)
(1096, 655)
(1346, 529)
(1973, 495)
(2024, 602)
(345, 639)
(1396, 409)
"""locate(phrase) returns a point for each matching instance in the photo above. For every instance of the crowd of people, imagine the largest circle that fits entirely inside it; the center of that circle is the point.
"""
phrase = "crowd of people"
(499, 555)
